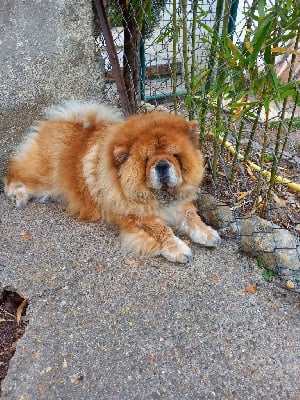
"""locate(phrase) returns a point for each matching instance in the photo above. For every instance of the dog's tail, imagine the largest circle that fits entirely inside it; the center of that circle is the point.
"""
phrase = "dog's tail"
(87, 114)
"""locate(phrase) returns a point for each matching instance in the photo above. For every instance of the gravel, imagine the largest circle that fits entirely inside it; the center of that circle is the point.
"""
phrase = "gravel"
(104, 325)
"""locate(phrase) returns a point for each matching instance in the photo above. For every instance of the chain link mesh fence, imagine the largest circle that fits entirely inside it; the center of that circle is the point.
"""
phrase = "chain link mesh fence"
(235, 67)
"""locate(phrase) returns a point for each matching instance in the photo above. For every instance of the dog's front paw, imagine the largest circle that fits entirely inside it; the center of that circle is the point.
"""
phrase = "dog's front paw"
(17, 192)
(176, 250)
(205, 236)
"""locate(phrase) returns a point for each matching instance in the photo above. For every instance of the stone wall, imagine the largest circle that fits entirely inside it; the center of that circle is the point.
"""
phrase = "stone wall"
(47, 54)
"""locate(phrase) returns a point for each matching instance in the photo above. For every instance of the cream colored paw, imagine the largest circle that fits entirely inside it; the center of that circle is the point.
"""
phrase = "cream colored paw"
(176, 250)
(18, 193)
(206, 237)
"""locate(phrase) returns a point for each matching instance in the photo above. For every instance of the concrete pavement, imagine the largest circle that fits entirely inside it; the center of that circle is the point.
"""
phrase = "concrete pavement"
(107, 326)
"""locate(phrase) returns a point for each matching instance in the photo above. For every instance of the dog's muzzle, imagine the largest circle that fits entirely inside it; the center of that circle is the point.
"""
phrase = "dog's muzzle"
(163, 174)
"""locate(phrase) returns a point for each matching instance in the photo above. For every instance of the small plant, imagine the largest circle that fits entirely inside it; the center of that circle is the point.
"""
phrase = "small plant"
(268, 157)
(266, 273)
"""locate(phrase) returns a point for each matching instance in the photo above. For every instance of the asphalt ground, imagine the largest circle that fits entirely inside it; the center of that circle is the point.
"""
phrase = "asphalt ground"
(104, 325)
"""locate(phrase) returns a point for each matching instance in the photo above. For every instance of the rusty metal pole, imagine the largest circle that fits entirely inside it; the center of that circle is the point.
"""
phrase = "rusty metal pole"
(113, 58)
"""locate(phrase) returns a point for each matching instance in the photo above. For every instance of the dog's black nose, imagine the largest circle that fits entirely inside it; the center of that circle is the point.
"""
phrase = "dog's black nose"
(162, 167)
(163, 172)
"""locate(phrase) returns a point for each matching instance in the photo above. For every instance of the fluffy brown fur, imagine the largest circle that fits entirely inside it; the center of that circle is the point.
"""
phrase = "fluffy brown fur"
(140, 174)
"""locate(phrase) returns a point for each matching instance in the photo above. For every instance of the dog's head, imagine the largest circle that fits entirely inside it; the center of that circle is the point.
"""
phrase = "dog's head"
(157, 157)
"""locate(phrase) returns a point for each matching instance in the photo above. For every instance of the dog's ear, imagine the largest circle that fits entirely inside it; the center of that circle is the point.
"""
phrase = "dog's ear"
(194, 133)
(120, 154)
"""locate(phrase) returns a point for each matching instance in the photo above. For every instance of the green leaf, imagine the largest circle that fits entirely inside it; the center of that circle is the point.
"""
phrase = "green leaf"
(205, 40)
(267, 104)
(268, 56)
(261, 7)
(208, 28)
(251, 115)
(288, 36)
(167, 34)
(275, 80)
(201, 12)
(235, 50)
(259, 38)
(260, 262)
(267, 275)
(268, 157)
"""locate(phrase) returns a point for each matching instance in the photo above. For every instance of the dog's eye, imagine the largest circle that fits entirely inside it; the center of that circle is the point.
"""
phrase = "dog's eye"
(178, 158)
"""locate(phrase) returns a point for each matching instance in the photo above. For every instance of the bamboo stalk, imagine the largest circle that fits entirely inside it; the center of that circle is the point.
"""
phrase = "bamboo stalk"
(211, 64)
(262, 156)
(237, 149)
(185, 47)
(193, 58)
(252, 133)
(215, 144)
(174, 62)
(220, 77)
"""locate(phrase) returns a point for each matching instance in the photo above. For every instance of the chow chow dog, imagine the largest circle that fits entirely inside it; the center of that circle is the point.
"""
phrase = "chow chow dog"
(140, 174)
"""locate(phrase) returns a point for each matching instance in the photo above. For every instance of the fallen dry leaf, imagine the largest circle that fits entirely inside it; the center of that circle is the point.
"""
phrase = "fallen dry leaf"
(222, 174)
(250, 173)
(20, 309)
(251, 288)
(26, 236)
(242, 195)
(41, 388)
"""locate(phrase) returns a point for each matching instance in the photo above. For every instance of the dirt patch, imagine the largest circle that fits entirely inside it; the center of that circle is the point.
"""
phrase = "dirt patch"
(12, 326)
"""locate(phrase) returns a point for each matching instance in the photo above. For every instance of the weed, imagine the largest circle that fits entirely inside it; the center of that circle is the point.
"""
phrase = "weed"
(266, 273)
